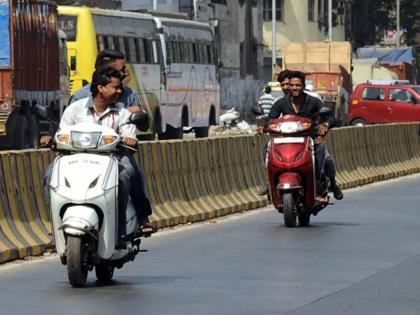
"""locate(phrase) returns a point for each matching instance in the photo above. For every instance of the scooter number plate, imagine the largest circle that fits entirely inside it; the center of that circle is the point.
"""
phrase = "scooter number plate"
(289, 140)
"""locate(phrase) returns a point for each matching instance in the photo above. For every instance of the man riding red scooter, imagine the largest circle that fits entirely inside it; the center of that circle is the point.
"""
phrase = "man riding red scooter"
(300, 170)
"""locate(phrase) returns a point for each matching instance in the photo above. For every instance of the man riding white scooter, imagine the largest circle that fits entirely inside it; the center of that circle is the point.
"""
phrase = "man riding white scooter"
(103, 109)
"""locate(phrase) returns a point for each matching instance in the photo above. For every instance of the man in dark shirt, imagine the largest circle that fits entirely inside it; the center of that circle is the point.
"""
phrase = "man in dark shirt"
(302, 104)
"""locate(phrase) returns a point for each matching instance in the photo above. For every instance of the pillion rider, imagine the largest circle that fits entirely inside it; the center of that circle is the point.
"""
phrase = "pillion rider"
(301, 104)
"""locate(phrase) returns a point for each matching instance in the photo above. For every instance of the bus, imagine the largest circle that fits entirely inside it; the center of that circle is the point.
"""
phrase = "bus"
(192, 94)
(171, 63)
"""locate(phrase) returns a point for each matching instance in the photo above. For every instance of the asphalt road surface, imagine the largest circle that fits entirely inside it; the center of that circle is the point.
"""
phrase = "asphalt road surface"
(360, 256)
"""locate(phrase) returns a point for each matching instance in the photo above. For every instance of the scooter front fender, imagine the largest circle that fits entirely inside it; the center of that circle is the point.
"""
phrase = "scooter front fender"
(79, 220)
(289, 181)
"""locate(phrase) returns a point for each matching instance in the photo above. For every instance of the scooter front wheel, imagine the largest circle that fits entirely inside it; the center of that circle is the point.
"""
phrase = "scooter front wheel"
(304, 219)
(77, 268)
(289, 209)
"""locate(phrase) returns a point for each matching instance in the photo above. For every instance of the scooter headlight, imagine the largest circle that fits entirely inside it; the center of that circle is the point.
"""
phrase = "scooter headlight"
(85, 140)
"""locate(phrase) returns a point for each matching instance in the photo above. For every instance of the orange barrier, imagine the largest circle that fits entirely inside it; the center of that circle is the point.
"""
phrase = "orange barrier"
(196, 180)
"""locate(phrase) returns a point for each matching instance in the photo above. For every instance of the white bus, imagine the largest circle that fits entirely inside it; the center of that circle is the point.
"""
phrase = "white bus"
(172, 63)
(191, 93)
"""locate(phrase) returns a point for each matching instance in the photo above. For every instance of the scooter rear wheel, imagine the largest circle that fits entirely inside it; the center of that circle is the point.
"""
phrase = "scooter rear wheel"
(289, 209)
(77, 268)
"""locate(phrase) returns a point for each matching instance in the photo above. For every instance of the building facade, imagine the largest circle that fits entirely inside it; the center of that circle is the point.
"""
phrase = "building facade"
(302, 21)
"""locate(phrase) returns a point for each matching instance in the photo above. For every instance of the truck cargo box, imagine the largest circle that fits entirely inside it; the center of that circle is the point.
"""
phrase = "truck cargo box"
(29, 68)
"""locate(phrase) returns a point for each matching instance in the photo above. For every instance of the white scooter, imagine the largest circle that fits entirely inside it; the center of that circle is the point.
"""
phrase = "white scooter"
(84, 203)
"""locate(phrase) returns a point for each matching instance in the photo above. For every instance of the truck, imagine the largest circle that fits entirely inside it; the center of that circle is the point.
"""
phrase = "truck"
(327, 66)
(29, 70)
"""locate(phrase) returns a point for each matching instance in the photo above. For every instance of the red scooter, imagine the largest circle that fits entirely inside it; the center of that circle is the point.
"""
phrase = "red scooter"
(294, 190)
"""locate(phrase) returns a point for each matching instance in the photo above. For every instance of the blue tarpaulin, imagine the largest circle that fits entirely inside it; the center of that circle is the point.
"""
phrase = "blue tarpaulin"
(4, 34)
(393, 56)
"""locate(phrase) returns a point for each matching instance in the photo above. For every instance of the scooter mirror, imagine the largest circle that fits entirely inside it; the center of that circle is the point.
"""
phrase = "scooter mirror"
(325, 111)
(41, 110)
(140, 119)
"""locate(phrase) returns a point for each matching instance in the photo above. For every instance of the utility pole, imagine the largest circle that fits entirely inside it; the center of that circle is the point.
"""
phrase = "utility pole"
(330, 20)
(398, 22)
(154, 5)
(273, 38)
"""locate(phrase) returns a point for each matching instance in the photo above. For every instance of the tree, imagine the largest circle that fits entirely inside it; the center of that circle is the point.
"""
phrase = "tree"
(382, 17)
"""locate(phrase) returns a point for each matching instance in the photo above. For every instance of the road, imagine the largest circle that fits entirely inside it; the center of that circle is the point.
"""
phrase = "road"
(360, 256)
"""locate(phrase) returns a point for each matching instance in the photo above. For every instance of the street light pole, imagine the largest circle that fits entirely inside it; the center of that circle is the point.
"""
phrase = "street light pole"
(398, 22)
(330, 20)
(273, 38)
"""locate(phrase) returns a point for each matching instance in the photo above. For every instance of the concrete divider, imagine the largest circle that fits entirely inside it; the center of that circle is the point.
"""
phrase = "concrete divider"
(196, 180)
(24, 220)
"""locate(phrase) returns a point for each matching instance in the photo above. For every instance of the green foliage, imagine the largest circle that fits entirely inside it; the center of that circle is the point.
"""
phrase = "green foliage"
(382, 17)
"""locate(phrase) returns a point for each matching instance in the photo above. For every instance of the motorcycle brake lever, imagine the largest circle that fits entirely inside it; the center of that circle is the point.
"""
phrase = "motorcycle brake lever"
(122, 145)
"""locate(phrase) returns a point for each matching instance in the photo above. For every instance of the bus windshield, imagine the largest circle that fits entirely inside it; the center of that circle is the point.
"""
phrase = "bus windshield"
(68, 24)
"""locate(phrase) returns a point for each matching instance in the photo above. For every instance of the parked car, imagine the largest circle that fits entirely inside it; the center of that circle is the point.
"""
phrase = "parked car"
(384, 102)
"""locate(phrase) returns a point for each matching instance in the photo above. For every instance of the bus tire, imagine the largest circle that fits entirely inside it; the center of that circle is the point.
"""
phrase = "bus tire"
(201, 132)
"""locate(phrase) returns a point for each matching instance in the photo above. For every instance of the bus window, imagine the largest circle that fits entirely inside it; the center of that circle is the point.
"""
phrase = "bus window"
(147, 51)
(168, 52)
(190, 53)
(140, 50)
(177, 49)
(109, 42)
(122, 45)
(174, 56)
(131, 49)
(195, 53)
(203, 52)
(116, 43)
(101, 42)
(209, 54)
(171, 51)
(155, 52)
(185, 52)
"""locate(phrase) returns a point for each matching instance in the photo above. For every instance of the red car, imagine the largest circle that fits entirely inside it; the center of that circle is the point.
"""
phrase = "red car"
(377, 102)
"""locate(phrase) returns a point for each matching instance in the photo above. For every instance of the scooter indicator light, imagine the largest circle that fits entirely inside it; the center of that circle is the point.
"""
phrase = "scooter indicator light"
(306, 125)
(107, 139)
(63, 138)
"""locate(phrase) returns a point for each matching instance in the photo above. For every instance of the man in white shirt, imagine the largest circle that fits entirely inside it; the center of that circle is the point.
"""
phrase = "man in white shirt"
(102, 108)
